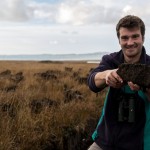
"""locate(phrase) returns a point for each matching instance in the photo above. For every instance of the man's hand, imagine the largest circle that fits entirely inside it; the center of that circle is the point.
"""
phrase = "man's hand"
(113, 79)
(136, 87)
(133, 86)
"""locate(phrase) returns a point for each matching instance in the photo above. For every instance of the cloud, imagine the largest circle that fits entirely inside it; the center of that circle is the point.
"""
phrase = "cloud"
(81, 12)
(13, 10)
(73, 12)
(42, 11)
(54, 42)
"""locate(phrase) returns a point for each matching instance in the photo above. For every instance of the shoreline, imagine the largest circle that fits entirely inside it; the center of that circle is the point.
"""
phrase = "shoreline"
(55, 61)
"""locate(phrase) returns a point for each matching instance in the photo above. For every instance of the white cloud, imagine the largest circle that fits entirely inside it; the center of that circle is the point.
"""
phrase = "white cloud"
(75, 12)
(53, 42)
(127, 9)
(65, 14)
(13, 10)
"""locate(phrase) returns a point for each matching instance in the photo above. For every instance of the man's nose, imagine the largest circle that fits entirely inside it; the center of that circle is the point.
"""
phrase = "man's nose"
(130, 41)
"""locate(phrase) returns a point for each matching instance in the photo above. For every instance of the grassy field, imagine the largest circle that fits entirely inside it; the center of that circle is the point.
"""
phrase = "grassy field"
(47, 105)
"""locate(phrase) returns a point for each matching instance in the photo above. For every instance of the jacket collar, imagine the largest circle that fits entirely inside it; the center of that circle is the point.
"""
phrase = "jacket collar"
(142, 58)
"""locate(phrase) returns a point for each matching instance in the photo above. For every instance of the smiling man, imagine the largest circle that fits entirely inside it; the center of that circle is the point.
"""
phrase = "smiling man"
(124, 123)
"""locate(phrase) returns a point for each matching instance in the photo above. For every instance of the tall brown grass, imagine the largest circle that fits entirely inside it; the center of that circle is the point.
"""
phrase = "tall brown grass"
(46, 105)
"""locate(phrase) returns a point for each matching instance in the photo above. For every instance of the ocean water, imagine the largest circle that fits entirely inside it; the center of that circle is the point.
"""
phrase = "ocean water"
(58, 57)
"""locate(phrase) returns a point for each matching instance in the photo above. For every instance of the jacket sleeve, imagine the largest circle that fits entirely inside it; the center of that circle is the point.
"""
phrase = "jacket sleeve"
(91, 83)
(105, 64)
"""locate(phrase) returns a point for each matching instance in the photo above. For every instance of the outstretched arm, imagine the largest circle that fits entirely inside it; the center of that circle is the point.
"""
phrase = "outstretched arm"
(108, 77)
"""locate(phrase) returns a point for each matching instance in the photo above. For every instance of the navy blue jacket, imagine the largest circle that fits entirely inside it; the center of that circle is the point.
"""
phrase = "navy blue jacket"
(111, 134)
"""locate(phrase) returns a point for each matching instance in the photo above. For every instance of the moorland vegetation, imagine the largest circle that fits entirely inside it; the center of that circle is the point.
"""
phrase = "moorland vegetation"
(47, 105)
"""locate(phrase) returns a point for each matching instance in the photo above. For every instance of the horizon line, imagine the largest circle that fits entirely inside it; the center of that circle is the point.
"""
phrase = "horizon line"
(55, 53)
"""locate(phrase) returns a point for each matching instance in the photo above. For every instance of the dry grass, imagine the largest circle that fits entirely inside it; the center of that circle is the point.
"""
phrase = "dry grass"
(44, 104)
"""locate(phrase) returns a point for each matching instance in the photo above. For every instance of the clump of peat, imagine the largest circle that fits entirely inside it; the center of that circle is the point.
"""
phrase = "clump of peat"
(137, 73)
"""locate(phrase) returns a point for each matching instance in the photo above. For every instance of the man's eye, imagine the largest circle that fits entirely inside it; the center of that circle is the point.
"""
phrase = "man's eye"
(124, 38)
(135, 36)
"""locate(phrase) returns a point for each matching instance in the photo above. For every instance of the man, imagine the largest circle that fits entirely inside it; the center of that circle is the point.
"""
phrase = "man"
(116, 130)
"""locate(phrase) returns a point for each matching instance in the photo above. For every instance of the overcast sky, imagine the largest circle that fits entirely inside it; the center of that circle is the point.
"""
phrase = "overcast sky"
(65, 26)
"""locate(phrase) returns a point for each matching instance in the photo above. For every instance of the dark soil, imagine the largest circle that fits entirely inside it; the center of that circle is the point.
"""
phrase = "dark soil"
(137, 73)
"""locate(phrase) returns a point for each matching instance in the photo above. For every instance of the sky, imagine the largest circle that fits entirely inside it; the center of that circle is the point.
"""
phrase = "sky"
(66, 26)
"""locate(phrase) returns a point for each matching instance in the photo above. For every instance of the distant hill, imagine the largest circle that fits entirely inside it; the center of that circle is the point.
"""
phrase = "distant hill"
(55, 57)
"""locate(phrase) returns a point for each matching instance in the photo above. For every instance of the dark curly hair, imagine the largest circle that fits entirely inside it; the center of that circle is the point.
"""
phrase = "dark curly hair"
(131, 21)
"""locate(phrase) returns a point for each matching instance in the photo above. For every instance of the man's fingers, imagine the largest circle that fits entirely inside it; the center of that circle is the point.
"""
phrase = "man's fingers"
(113, 79)
(117, 77)
(133, 86)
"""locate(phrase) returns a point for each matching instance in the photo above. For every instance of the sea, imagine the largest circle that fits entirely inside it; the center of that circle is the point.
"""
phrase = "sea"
(89, 57)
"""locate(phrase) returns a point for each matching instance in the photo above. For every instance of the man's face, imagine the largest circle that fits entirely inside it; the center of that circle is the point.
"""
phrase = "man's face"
(131, 41)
